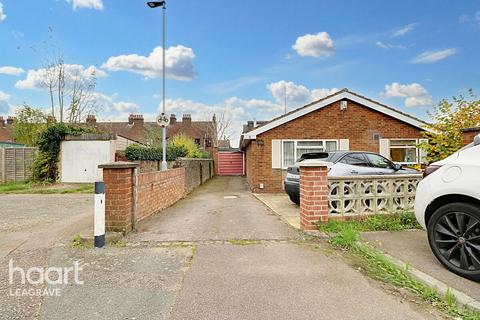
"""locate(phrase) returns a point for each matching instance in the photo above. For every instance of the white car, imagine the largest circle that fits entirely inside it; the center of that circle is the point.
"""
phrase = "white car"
(447, 205)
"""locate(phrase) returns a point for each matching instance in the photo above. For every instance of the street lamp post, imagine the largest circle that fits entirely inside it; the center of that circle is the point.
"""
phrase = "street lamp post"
(163, 5)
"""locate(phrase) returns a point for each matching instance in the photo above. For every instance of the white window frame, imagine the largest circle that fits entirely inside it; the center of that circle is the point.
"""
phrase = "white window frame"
(295, 144)
(417, 149)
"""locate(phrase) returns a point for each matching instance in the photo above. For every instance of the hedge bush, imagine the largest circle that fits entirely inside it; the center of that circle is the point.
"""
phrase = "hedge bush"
(139, 152)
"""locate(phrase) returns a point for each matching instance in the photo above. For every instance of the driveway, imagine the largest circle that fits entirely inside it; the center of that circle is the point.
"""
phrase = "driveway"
(220, 254)
(31, 221)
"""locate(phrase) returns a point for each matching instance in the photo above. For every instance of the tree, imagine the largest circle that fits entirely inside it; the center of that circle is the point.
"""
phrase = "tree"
(28, 125)
(450, 117)
(223, 125)
(73, 89)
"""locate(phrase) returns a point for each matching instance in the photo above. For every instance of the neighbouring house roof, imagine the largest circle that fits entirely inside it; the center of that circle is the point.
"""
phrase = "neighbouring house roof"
(340, 95)
(471, 129)
(137, 130)
(6, 135)
(224, 143)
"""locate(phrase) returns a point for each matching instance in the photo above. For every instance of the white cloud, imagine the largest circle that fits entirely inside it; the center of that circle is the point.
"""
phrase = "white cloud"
(35, 78)
(384, 45)
(87, 4)
(404, 30)
(415, 94)
(314, 45)
(14, 71)
(3, 16)
(126, 106)
(179, 63)
(317, 94)
(434, 56)
(473, 20)
(297, 95)
(5, 106)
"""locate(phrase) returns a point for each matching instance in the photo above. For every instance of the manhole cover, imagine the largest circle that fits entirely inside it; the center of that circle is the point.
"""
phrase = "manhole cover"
(230, 197)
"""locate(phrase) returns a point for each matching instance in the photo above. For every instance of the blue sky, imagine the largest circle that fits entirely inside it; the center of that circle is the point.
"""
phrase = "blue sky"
(241, 56)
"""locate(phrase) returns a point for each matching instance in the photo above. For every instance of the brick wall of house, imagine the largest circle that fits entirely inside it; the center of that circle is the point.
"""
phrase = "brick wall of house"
(357, 123)
(158, 190)
(469, 135)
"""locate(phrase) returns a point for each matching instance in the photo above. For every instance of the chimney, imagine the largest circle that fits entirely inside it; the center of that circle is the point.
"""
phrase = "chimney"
(2, 122)
(10, 120)
(214, 118)
(173, 118)
(91, 119)
(250, 125)
(187, 119)
(135, 119)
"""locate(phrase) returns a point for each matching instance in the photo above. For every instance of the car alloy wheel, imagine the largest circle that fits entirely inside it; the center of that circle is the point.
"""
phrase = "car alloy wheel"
(457, 236)
(454, 236)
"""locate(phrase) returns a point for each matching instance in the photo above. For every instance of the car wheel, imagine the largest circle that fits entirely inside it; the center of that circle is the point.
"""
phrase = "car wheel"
(454, 237)
(294, 199)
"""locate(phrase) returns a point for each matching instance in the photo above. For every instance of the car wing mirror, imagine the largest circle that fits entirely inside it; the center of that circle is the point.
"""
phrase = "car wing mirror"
(476, 140)
(397, 166)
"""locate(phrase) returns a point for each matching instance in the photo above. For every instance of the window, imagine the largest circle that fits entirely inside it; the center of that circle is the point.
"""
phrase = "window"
(379, 161)
(355, 159)
(294, 149)
(404, 151)
(197, 141)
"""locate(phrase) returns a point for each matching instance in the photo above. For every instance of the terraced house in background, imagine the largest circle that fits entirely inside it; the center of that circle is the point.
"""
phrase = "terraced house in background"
(344, 120)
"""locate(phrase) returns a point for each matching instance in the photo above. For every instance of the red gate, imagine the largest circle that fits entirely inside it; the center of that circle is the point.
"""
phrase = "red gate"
(230, 163)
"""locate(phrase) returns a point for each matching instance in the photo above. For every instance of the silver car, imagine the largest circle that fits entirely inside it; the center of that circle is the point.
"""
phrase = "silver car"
(345, 163)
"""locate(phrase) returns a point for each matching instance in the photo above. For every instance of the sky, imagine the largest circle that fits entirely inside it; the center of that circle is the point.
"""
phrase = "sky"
(239, 58)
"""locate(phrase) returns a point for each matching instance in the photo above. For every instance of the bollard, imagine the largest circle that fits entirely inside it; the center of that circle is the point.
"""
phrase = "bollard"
(99, 218)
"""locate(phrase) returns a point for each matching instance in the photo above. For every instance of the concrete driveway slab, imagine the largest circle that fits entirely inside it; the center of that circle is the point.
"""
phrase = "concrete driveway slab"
(412, 247)
(281, 204)
(222, 209)
(125, 283)
(281, 281)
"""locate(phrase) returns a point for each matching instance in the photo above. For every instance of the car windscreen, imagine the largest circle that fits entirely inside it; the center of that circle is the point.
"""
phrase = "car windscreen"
(325, 156)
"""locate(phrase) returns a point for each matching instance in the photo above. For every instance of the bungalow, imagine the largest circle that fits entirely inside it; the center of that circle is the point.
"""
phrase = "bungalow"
(342, 121)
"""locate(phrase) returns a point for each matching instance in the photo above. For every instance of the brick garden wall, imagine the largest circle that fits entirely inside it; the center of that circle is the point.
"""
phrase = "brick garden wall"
(357, 123)
(158, 190)
(118, 199)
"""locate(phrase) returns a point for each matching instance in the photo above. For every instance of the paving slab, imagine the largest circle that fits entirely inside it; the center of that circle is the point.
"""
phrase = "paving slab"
(222, 209)
(282, 281)
(281, 204)
(412, 247)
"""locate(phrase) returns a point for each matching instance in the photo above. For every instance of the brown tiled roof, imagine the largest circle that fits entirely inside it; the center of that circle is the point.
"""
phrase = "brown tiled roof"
(6, 134)
(139, 131)
(224, 144)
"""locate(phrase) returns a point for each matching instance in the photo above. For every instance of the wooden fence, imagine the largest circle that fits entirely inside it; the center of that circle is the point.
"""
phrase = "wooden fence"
(15, 164)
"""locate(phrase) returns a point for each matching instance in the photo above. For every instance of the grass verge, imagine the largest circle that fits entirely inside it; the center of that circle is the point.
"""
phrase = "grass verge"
(43, 188)
(346, 235)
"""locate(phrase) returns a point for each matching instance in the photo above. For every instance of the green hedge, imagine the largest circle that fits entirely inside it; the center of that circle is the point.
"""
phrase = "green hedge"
(139, 152)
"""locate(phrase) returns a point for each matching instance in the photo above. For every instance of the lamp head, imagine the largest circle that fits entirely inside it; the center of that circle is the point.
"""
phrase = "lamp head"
(155, 4)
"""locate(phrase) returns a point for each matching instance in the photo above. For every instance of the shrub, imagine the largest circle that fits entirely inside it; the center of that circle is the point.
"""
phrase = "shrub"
(139, 152)
(193, 150)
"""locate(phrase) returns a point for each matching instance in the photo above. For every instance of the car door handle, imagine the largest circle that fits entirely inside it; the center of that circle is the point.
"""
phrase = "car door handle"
(353, 171)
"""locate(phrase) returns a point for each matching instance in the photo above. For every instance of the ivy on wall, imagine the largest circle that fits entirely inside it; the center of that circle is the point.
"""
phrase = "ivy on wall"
(45, 167)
